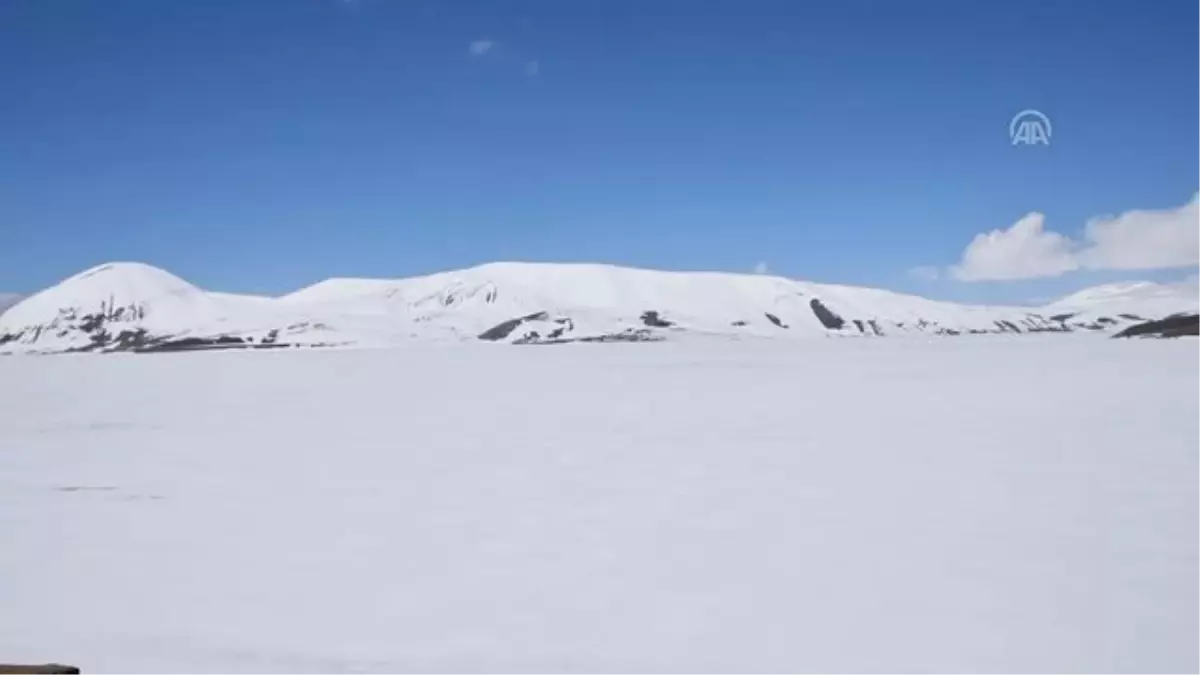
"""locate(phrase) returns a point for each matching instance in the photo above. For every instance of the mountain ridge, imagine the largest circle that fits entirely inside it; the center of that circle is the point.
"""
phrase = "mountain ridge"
(128, 306)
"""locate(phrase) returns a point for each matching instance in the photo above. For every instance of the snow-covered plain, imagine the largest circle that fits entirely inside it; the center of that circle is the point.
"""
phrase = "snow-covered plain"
(1000, 503)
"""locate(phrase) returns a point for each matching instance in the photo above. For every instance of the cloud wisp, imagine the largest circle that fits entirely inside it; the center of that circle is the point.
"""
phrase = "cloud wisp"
(925, 273)
(503, 54)
(481, 47)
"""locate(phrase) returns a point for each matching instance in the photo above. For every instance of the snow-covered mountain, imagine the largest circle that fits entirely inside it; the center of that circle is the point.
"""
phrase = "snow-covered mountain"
(133, 306)
(137, 307)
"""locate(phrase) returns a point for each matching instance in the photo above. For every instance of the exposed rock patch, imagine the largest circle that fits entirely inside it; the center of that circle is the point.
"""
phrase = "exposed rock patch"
(825, 316)
(503, 330)
(38, 669)
(1170, 327)
(628, 335)
(652, 319)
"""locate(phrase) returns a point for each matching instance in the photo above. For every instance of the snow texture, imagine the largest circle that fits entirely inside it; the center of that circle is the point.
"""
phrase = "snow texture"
(992, 504)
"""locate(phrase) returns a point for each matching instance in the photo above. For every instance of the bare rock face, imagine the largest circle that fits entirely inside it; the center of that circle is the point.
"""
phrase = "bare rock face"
(1179, 325)
(825, 316)
(652, 319)
(504, 329)
(45, 668)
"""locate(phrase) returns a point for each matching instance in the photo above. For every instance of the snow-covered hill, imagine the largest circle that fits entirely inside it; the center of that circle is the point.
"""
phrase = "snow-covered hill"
(133, 306)
(606, 297)
(1139, 298)
(137, 307)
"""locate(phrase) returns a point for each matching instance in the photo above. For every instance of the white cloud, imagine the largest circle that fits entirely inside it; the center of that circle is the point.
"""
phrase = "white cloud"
(481, 47)
(1143, 240)
(761, 268)
(925, 272)
(1134, 240)
(1023, 251)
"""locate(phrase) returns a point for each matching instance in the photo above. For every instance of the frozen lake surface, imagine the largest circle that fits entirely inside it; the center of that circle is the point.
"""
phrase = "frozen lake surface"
(952, 504)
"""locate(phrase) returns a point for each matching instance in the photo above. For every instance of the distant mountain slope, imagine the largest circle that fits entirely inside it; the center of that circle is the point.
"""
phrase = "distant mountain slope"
(118, 306)
(8, 300)
(137, 307)
(1176, 325)
(1135, 298)
(618, 297)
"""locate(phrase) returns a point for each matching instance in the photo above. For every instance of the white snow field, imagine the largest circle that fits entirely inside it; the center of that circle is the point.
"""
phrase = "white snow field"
(1000, 503)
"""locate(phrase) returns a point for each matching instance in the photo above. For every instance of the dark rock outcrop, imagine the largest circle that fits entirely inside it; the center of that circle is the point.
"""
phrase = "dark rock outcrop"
(628, 335)
(38, 669)
(776, 320)
(106, 330)
(652, 319)
(503, 330)
(825, 316)
(1177, 325)
(191, 344)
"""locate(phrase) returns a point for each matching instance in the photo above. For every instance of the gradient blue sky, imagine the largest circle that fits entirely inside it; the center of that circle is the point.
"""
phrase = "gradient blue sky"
(262, 145)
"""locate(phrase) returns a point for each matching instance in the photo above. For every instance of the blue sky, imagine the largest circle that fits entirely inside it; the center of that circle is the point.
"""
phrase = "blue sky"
(261, 146)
